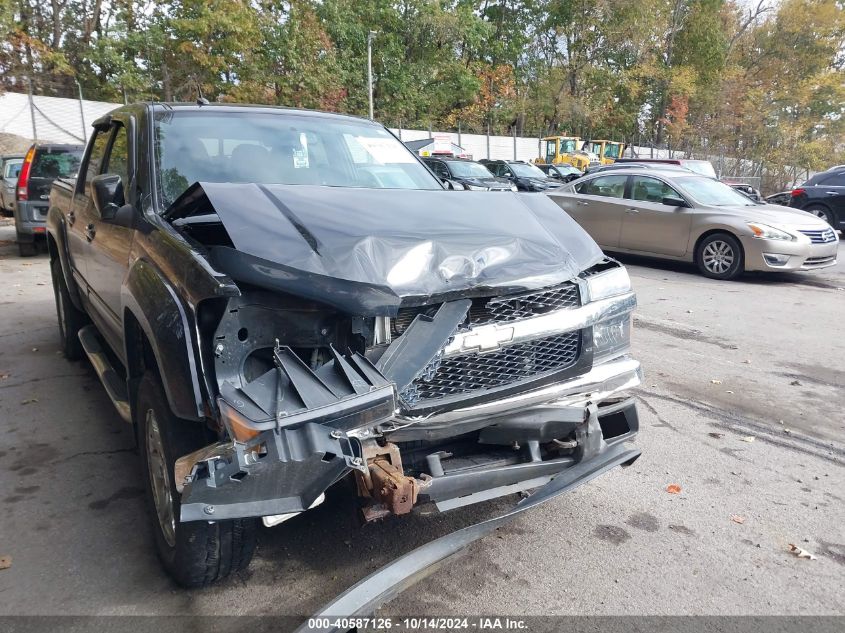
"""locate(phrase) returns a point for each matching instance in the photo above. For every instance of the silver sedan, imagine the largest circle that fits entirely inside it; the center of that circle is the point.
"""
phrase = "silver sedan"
(687, 217)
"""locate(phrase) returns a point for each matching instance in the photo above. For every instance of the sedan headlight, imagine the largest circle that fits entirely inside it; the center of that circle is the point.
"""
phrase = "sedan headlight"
(611, 338)
(608, 284)
(474, 188)
(766, 232)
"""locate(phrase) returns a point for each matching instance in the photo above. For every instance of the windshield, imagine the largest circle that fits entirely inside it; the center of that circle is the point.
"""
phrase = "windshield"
(612, 150)
(567, 145)
(468, 169)
(281, 148)
(526, 171)
(12, 168)
(713, 192)
(703, 167)
(56, 163)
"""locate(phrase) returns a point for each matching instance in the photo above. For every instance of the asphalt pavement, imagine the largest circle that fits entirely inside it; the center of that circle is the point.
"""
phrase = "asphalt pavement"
(742, 409)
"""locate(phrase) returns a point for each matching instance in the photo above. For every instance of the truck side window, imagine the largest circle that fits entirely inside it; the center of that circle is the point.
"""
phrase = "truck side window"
(119, 156)
(95, 160)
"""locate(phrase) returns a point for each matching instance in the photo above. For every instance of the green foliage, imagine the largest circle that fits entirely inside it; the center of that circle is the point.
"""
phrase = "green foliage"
(705, 76)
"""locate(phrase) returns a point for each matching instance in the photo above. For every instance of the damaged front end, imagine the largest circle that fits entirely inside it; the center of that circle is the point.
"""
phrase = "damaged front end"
(436, 372)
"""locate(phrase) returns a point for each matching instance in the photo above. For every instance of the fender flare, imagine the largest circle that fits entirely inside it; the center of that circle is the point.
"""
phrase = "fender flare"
(153, 302)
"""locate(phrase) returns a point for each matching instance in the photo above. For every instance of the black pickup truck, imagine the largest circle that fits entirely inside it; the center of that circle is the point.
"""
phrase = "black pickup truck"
(278, 300)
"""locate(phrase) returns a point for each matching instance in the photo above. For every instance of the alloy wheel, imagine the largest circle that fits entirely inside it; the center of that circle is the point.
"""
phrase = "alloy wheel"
(820, 213)
(160, 479)
(718, 257)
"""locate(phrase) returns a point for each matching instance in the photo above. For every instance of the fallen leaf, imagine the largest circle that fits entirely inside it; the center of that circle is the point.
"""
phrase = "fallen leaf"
(718, 436)
(4, 376)
(34, 349)
(787, 431)
(716, 382)
(746, 362)
(673, 489)
(5, 562)
(748, 438)
(737, 519)
(729, 392)
(29, 401)
(800, 553)
(795, 383)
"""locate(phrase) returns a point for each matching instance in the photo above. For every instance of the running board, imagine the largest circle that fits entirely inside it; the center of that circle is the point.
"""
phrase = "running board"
(114, 384)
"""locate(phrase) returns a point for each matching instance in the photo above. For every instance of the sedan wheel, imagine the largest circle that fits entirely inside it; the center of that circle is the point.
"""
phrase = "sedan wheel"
(720, 256)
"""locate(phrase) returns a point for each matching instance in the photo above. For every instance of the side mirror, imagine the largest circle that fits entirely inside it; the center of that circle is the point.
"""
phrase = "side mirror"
(675, 202)
(104, 190)
(453, 185)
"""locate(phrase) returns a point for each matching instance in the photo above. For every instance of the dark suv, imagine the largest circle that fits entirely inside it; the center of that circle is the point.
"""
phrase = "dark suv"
(472, 175)
(41, 166)
(823, 195)
(525, 176)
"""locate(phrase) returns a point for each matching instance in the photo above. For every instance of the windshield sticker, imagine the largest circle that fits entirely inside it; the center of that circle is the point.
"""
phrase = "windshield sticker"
(300, 159)
(385, 150)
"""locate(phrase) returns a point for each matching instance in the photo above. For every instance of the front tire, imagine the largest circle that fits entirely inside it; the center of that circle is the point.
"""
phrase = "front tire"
(197, 553)
(720, 256)
(820, 211)
(71, 319)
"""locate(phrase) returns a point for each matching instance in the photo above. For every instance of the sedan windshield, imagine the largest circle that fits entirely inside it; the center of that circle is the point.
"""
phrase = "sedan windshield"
(703, 167)
(283, 148)
(468, 169)
(527, 171)
(713, 193)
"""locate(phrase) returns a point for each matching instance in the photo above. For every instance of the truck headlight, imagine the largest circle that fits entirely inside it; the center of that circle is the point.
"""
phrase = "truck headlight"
(611, 338)
(608, 284)
(766, 232)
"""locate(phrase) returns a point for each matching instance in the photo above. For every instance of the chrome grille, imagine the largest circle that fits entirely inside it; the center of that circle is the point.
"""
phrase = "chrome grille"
(821, 236)
(502, 309)
(466, 373)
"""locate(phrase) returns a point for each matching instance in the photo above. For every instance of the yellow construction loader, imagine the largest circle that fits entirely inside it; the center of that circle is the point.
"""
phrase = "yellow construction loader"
(607, 151)
(566, 149)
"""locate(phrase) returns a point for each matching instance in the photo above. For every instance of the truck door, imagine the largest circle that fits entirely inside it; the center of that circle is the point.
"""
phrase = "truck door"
(78, 216)
(109, 242)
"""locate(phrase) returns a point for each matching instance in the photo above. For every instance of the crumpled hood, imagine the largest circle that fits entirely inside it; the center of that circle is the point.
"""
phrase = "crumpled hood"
(372, 250)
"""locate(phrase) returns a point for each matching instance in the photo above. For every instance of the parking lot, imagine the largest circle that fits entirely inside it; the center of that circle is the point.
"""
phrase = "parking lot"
(742, 408)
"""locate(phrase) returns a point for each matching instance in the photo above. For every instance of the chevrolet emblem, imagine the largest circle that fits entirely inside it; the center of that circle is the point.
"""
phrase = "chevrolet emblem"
(486, 338)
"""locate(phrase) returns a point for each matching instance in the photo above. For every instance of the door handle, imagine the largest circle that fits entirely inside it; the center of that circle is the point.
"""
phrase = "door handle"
(90, 232)
(583, 202)
(71, 217)
(632, 210)
(832, 193)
